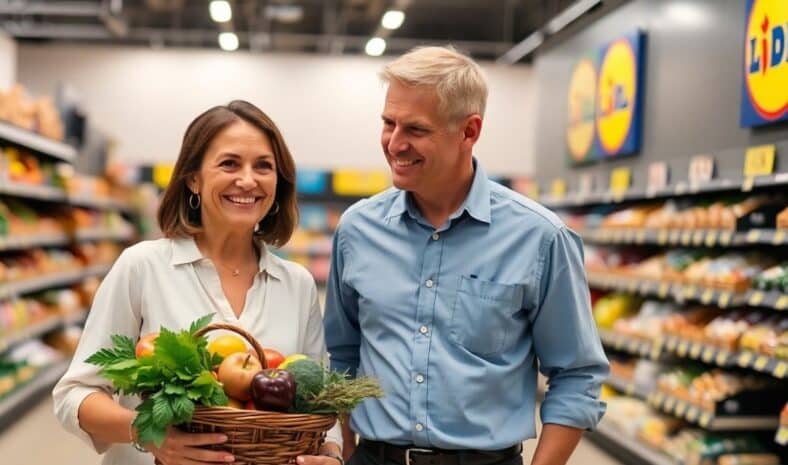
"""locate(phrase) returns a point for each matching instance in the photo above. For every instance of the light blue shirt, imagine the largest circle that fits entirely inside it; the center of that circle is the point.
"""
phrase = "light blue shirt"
(453, 320)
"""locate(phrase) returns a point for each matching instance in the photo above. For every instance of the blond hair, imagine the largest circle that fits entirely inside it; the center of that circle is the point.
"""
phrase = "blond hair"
(458, 81)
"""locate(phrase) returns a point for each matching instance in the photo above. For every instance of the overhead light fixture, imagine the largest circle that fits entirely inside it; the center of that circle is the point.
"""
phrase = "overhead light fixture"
(287, 14)
(228, 41)
(221, 11)
(526, 46)
(570, 14)
(375, 47)
(393, 19)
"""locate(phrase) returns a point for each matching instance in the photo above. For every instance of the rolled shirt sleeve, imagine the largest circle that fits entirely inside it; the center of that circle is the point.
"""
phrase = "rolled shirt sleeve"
(112, 312)
(565, 337)
(343, 335)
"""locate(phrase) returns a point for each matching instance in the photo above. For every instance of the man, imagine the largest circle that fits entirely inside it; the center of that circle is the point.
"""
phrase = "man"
(449, 288)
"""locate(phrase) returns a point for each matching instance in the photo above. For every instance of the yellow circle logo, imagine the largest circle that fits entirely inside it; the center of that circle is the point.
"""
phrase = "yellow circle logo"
(766, 58)
(582, 92)
(616, 95)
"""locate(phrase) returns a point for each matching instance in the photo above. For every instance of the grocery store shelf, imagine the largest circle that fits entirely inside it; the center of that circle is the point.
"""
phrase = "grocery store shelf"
(100, 235)
(48, 193)
(632, 345)
(18, 401)
(36, 142)
(686, 237)
(627, 449)
(679, 292)
(99, 203)
(708, 420)
(26, 242)
(725, 358)
(579, 199)
(772, 299)
(50, 281)
(626, 387)
(31, 331)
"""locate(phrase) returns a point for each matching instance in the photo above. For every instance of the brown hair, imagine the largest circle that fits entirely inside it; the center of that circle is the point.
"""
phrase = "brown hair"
(175, 217)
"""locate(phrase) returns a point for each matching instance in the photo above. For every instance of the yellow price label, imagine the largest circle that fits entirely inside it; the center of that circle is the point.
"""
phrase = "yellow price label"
(705, 419)
(558, 188)
(681, 407)
(782, 302)
(780, 369)
(686, 238)
(162, 173)
(753, 236)
(760, 363)
(779, 237)
(708, 354)
(782, 436)
(696, 350)
(759, 160)
(724, 300)
(756, 298)
(689, 292)
(722, 358)
(711, 238)
(692, 414)
(744, 359)
(662, 237)
(620, 180)
(707, 296)
(670, 402)
(655, 352)
(748, 184)
(675, 235)
(641, 236)
(682, 348)
(725, 238)
(697, 237)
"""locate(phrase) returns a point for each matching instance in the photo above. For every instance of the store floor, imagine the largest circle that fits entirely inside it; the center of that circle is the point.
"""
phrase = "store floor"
(37, 439)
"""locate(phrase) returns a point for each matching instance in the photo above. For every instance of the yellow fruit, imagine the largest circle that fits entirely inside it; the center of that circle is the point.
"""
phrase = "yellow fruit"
(226, 344)
(291, 359)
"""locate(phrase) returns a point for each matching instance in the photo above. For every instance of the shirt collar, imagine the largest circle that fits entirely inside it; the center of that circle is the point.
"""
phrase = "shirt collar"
(477, 203)
(185, 250)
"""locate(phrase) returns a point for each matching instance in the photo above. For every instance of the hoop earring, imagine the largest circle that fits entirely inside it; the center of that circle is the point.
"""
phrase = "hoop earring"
(276, 210)
(194, 205)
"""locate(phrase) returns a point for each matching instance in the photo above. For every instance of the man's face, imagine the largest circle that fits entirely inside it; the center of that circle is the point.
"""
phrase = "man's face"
(421, 148)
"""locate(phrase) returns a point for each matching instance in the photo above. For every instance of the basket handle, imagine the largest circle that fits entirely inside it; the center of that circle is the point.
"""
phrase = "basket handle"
(241, 332)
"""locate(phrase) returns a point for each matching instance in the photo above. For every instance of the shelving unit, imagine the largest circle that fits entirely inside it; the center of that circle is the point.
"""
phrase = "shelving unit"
(23, 397)
(43, 145)
(629, 449)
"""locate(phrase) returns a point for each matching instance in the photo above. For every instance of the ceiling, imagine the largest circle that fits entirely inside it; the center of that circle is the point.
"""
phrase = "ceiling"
(485, 29)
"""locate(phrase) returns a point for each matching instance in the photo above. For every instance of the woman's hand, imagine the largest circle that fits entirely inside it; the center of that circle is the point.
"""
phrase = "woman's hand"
(180, 448)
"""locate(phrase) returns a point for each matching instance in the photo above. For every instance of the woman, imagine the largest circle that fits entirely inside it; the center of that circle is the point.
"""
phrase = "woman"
(232, 192)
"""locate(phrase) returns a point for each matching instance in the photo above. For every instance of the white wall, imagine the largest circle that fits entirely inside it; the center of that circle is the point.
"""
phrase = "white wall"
(327, 107)
(7, 61)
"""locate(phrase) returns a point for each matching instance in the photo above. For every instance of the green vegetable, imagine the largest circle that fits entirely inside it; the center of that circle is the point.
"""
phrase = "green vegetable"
(341, 394)
(172, 381)
(309, 378)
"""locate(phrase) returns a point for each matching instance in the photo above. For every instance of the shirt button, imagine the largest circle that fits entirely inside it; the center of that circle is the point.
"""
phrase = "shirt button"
(435, 237)
(419, 427)
(424, 330)
(419, 378)
(429, 283)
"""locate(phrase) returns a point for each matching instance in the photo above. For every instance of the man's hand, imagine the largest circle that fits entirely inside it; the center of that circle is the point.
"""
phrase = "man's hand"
(328, 453)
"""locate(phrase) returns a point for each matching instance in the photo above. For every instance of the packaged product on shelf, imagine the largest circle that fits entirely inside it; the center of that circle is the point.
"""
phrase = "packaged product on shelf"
(648, 322)
(773, 279)
(782, 219)
(726, 330)
(749, 459)
(766, 337)
(696, 447)
(690, 323)
(614, 306)
(65, 340)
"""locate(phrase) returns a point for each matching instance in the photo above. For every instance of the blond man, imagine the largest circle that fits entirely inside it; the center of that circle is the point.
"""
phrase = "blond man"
(452, 289)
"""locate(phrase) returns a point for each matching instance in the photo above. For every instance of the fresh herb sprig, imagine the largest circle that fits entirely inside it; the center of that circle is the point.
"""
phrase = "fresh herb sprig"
(172, 381)
(341, 394)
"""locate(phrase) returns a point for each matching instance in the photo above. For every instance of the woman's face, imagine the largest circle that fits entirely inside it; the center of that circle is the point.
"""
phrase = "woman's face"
(237, 179)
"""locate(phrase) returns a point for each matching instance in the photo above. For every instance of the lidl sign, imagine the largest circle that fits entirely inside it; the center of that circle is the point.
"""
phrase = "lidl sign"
(605, 101)
(765, 70)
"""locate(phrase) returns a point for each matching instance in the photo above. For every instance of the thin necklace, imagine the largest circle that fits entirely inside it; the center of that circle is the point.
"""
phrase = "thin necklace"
(233, 271)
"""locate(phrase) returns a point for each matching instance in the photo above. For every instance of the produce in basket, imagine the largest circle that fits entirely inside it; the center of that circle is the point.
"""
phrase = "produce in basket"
(179, 386)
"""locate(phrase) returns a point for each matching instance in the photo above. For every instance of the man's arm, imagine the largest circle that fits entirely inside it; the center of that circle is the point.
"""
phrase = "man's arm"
(556, 444)
(569, 350)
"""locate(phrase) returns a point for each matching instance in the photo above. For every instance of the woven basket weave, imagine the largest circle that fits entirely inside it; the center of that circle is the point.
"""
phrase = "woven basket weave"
(258, 437)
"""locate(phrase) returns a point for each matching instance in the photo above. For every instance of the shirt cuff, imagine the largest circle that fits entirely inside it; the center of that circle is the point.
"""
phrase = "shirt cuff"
(573, 410)
(67, 412)
(335, 435)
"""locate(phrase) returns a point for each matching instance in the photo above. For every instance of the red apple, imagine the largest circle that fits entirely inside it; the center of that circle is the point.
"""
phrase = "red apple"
(144, 346)
(272, 358)
(236, 373)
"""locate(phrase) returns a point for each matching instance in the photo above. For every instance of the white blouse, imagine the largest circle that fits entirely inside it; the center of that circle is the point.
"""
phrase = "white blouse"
(168, 282)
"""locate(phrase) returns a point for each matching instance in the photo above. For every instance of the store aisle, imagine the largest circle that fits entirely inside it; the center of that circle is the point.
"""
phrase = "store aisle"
(38, 439)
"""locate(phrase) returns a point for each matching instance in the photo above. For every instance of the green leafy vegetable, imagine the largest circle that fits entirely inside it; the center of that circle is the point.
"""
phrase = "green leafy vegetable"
(171, 382)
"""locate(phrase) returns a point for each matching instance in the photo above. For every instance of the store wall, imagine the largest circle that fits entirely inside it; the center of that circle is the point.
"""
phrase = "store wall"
(7, 61)
(693, 89)
(328, 107)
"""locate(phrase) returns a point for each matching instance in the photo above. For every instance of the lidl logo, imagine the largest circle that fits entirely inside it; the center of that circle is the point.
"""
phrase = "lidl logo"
(605, 101)
(765, 83)
(581, 108)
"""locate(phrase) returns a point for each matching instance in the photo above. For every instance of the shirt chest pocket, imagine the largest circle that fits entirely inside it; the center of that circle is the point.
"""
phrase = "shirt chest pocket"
(482, 315)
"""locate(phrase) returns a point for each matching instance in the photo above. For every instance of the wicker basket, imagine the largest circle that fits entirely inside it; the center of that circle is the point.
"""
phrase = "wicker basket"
(257, 437)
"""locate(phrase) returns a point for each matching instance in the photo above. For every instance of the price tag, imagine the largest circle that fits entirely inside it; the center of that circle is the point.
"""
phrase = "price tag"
(558, 188)
(756, 298)
(640, 238)
(692, 414)
(697, 237)
(689, 292)
(670, 402)
(663, 290)
(711, 238)
(686, 238)
(696, 350)
(782, 436)
(658, 175)
(722, 358)
(761, 362)
(670, 344)
(662, 238)
(681, 407)
(632, 286)
(705, 419)
(586, 184)
(707, 296)
(659, 398)
(782, 302)
(759, 161)
(753, 236)
(632, 346)
(747, 184)
(708, 354)
(675, 235)
(725, 299)
(744, 359)
(780, 369)
(630, 390)
(682, 348)
(779, 237)
(701, 170)
(656, 351)
(725, 238)
(681, 188)
(620, 180)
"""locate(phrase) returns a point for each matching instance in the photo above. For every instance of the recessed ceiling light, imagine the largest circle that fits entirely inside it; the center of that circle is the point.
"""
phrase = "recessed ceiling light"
(228, 41)
(375, 47)
(221, 11)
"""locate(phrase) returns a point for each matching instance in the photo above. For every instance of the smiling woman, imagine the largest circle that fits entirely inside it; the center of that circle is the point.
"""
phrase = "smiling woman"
(231, 195)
